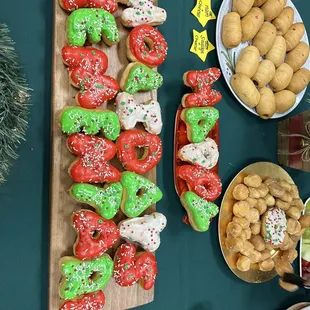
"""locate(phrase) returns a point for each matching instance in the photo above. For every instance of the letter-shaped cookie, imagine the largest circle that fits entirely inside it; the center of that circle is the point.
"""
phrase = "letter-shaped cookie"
(93, 152)
(92, 24)
(144, 230)
(95, 235)
(105, 200)
(199, 211)
(139, 193)
(142, 12)
(72, 5)
(87, 66)
(92, 301)
(130, 267)
(126, 145)
(205, 183)
(199, 122)
(201, 83)
(83, 277)
(138, 77)
(91, 121)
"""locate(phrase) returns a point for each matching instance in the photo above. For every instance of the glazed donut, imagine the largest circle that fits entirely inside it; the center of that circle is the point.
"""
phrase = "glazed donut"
(146, 45)
(274, 226)
(93, 301)
(204, 183)
(126, 145)
(72, 5)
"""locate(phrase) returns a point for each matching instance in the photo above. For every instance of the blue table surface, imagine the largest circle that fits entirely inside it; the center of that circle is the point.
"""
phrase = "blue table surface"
(192, 272)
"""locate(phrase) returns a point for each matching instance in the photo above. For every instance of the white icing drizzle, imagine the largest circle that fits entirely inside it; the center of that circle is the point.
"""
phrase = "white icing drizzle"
(204, 154)
(130, 113)
(144, 230)
(143, 12)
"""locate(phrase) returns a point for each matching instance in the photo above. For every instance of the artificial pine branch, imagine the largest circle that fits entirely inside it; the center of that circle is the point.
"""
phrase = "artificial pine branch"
(14, 95)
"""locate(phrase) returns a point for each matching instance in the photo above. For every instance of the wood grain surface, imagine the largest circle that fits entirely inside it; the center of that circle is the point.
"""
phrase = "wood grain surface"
(62, 235)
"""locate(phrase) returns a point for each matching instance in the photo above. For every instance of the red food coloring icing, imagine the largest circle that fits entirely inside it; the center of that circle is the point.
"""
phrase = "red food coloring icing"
(71, 5)
(92, 301)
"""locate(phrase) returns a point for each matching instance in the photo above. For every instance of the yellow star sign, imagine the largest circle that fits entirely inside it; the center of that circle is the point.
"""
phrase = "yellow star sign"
(201, 45)
(203, 12)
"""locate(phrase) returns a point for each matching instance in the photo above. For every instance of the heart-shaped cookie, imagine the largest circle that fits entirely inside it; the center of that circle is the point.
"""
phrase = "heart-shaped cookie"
(144, 230)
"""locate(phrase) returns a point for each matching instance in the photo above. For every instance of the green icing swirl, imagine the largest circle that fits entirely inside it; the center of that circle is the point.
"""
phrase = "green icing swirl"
(201, 211)
(142, 78)
(92, 23)
(77, 275)
(107, 201)
(134, 203)
(73, 119)
(195, 116)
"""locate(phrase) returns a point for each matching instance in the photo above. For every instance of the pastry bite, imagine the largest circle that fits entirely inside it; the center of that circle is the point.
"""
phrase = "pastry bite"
(261, 206)
(255, 257)
(276, 190)
(283, 266)
(287, 186)
(287, 243)
(288, 286)
(231, 30)
(265, 254)
(282, 205)
(240, 192)
(293, 226)
(233, 229)
(247, 64)
(247, 248)
(266, 265)
(253, 215)
(298, 203)
(287, 197)
(293, 36)
(242, 7)
(293, 212)
(253, 180)
(263, 190)
(258, 242)
(252, 202)
(304, 221)
(243, 222)
(255, 228)
(243, 263)
(251, 23)
(284, 20)
(289, 255)
(253, 193)
(270, 201)
(241, 209)
(234, 244)
(277, 52)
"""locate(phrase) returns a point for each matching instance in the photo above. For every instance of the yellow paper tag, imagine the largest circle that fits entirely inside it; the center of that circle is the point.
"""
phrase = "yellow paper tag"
(203, 12)
(201, 45)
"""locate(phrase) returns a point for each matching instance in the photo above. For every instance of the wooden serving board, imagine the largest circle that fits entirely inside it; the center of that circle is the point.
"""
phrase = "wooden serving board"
(62, 235)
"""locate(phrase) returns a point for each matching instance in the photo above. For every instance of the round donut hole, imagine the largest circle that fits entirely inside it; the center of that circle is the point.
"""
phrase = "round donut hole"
(94, 276)
(201, 122)
(141, 152)
(148, 43)
(140, 192)
(96, 234)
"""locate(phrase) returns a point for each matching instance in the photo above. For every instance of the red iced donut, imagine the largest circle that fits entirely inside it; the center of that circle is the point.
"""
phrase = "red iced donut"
(147, 45)
(92, 301)
(126, 145)
(203, 182)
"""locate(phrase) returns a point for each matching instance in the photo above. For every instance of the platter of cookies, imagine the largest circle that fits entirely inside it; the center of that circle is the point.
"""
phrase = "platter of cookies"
(260, 223)
(263, 50)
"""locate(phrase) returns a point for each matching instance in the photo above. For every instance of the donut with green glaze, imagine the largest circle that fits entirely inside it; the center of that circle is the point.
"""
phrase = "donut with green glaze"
(92, 24)
(199, 211)
(83, 277)
(106, 201)
(139, 194)
(138, 77)
(199, 122)
(73, 119)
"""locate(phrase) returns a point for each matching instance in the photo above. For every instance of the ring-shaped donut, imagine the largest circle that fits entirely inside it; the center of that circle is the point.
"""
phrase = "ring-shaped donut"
(126, 145)
(205, 183)
(146, 45)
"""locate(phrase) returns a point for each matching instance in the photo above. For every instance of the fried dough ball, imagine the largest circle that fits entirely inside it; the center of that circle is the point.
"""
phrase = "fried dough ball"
(261, 206)
(298, 203)
(253, 216)
(243, 235)
(287, 186)
(240, 192)
(243, 222)
(233, 229)
(289, 255)
(247, 249)
(234, 244)
(287, 243)
(283, 266)
(266, 265)
(288, 286)
(269, 181)
(263, 190)
(304, 221)
(255, 228)
(297, 237)
(282, 205)
(241, 209)
(254, 193)
(253, 180)
(294, 191)
(258, 242)
(265, 254)
(270, 201)
(294, 213)
(248, 233)
(293, 227)
(251, 201)
(276, 190)
(287, 197)
(255, 256)
(243, 263)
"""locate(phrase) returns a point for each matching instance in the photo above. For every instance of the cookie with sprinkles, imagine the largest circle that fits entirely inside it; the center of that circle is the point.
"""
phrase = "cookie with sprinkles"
(92, 24)
(144, 230)
(138, 77)
(92, 155)
(139, 194)
(199, 211)
(92, 301)
(106, 200)
(146, 45)
(131, 267)
(141, 12)
(205, 183)
(95, 235)
(72, 5)
(199, 122)
(83, 277)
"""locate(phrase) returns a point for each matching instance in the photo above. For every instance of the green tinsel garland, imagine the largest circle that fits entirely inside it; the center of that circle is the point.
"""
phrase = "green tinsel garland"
(14, 95)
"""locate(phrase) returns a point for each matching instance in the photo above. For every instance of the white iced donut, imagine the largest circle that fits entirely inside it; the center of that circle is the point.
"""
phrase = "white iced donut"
(204, 154)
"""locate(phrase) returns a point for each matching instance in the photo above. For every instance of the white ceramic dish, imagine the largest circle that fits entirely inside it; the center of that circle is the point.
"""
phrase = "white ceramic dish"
(228, 57)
